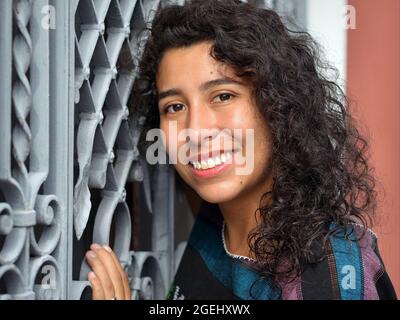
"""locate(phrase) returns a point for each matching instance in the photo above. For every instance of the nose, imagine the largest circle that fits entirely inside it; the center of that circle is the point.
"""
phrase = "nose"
(202, 126)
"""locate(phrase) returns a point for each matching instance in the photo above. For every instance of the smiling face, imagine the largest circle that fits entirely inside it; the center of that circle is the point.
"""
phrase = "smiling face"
(201, 95)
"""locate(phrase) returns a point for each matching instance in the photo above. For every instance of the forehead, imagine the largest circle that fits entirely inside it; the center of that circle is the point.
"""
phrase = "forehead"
(190, 65)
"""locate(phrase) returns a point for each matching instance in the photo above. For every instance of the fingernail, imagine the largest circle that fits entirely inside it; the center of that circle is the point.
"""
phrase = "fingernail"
(92, 274)
(107, 248)
(91, 254)
(95, 246)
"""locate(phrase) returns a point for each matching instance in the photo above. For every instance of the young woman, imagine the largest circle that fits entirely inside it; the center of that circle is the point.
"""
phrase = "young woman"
(294, 226)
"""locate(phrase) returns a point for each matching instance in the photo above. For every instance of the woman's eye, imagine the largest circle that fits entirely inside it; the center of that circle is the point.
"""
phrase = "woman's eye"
(224, 96)
(173, 108)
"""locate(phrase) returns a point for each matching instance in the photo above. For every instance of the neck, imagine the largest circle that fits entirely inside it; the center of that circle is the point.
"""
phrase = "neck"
(241, 217)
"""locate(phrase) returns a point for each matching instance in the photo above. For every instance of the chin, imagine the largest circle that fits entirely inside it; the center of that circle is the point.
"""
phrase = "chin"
(220, 190)
(216, 193)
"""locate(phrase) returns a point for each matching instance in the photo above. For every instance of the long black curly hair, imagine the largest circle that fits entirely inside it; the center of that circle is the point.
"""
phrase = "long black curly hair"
(319, 158)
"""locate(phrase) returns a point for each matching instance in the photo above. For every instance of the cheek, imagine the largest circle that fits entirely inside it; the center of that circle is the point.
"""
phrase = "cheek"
(172, 146)
(262, 143)
(245, 116)
(168, 136)
(261, 152)
(241, 118)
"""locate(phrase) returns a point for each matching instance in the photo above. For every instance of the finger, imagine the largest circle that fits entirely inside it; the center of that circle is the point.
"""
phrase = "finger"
(112, 270)
(123, 274)
(101, 272)
(97, 289)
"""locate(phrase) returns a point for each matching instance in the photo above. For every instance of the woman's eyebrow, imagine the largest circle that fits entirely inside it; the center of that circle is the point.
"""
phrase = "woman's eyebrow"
(170, 92)
(203, 87)
(225, 80)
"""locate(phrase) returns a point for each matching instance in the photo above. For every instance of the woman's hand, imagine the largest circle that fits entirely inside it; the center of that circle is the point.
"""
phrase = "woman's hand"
(107, 277)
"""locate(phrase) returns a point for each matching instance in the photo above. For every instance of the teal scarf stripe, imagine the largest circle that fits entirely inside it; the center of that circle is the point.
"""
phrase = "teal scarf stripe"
(206, 239)
(348, 265)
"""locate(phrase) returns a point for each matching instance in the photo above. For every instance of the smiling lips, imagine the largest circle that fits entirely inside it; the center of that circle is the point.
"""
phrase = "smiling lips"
(211, 162)
(212, 166)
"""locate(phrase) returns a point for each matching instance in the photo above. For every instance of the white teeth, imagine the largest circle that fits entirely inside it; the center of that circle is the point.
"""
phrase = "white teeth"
(212, 162)
(223, 158)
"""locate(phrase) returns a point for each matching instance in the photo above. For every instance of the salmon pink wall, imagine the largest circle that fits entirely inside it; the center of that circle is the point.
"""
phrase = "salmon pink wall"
(373, 69)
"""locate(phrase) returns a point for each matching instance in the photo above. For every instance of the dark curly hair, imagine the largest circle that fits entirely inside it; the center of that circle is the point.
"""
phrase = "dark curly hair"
(319, 158)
